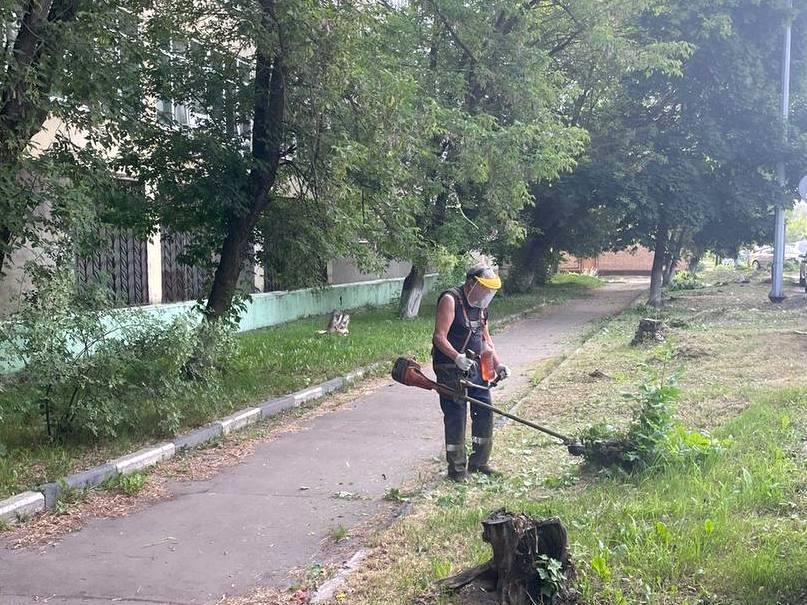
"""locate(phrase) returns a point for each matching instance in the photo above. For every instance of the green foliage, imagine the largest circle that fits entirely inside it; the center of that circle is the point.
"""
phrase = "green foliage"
(339, 533)
(131, 485)
(441, 567)
(689, 526)
(551, 576)
(599, 563)
(797, 222)
(48, 70)
(686, 280)
(394, 494)
(653, 420)
(653, 440)
(91, 372)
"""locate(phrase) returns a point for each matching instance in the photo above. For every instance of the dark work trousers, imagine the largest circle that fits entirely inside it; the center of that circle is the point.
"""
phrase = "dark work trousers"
(454, 418)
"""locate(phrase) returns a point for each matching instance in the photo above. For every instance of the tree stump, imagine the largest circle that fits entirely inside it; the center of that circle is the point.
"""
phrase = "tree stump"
(530, 564)
(650, 329)
(337, 324)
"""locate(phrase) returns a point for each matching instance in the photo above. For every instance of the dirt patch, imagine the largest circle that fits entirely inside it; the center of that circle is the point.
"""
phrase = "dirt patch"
(692, 352)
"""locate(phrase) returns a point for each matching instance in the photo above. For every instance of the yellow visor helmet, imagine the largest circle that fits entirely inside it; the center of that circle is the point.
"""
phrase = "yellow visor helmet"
(485, 276)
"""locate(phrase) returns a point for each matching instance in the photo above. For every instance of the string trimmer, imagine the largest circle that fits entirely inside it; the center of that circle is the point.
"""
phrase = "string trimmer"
(408, 372)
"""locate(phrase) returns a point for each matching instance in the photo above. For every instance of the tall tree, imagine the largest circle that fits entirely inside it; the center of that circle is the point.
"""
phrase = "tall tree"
(602, 46)
(488, 124)
(265, 109)
(726, 98)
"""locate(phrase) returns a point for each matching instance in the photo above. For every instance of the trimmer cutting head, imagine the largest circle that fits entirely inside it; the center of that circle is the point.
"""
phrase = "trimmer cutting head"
(576, 448)
(408, 372)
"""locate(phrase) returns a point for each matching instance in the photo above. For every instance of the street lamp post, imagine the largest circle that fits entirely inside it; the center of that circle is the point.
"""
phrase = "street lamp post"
(777, 267)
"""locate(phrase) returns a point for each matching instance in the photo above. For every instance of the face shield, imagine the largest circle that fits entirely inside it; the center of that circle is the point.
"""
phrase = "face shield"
(479, 296)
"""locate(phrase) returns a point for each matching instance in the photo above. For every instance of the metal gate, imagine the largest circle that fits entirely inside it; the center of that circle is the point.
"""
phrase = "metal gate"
(118, 263)
(181, 281)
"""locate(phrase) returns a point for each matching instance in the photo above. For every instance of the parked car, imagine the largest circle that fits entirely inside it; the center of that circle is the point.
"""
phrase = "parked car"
(762, 256)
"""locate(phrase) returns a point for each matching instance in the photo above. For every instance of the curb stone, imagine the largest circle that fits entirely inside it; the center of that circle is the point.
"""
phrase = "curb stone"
(21, 505)
(275, 406)
(327, 591)
(198, 436)
(79, 481)
(47, 495)
(239, 420)
(144, 458)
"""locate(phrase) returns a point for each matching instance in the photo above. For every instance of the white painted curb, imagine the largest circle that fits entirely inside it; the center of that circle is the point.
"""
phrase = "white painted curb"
(239, 420)
(327, 591)
(144, 458)
(21, 505)
(303, 396)
(29, 503)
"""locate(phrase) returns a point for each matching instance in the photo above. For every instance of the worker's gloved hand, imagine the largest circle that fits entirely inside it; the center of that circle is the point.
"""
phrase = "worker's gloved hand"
(463, 363)
(502, 371)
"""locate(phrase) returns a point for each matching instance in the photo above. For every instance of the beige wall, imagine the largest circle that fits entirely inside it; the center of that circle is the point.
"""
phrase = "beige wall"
(345, 271)
(14, 282)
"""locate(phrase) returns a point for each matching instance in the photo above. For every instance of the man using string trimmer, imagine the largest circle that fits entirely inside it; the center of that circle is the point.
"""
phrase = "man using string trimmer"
(462, 353)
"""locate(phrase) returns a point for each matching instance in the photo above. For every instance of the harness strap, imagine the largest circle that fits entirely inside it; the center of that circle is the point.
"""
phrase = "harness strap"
(467, 323)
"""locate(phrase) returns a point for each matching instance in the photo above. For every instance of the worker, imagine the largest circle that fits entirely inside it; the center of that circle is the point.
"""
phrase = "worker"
(461, 326)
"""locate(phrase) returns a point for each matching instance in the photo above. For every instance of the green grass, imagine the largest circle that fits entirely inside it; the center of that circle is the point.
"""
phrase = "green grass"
(131, 485)
(339, 534)
(268, 363)
(724, 529)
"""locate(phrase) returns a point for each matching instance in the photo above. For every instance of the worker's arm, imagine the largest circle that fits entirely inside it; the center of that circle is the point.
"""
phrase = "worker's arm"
(445, 317)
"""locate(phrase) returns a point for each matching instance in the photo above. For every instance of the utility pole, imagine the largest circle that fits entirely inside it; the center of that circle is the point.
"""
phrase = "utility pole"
(777, 267)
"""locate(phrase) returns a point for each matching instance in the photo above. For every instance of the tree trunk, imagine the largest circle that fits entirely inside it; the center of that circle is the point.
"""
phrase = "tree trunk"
(412, 292)
(267, 141)
(656, 275)
(694, 261)
(225, 279)
(529, 267)
(22, 109)
(672, 256)
(5, 241)
(667, 272)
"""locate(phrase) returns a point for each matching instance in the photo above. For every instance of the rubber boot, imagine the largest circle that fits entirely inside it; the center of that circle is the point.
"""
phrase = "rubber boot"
(455, 456)
(478, 463)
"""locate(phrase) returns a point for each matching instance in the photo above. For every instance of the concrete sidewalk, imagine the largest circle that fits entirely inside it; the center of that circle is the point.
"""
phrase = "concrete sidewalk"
(252, 523)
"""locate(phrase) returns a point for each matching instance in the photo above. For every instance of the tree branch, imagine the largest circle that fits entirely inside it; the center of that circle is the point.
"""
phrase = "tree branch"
(453, 34)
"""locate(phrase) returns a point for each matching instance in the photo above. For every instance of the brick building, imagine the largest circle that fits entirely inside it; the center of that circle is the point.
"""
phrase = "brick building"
(637, 261)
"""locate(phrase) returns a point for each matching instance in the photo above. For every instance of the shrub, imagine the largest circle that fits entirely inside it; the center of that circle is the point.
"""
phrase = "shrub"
(653, 439)
(92, 372)
(686, 280)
